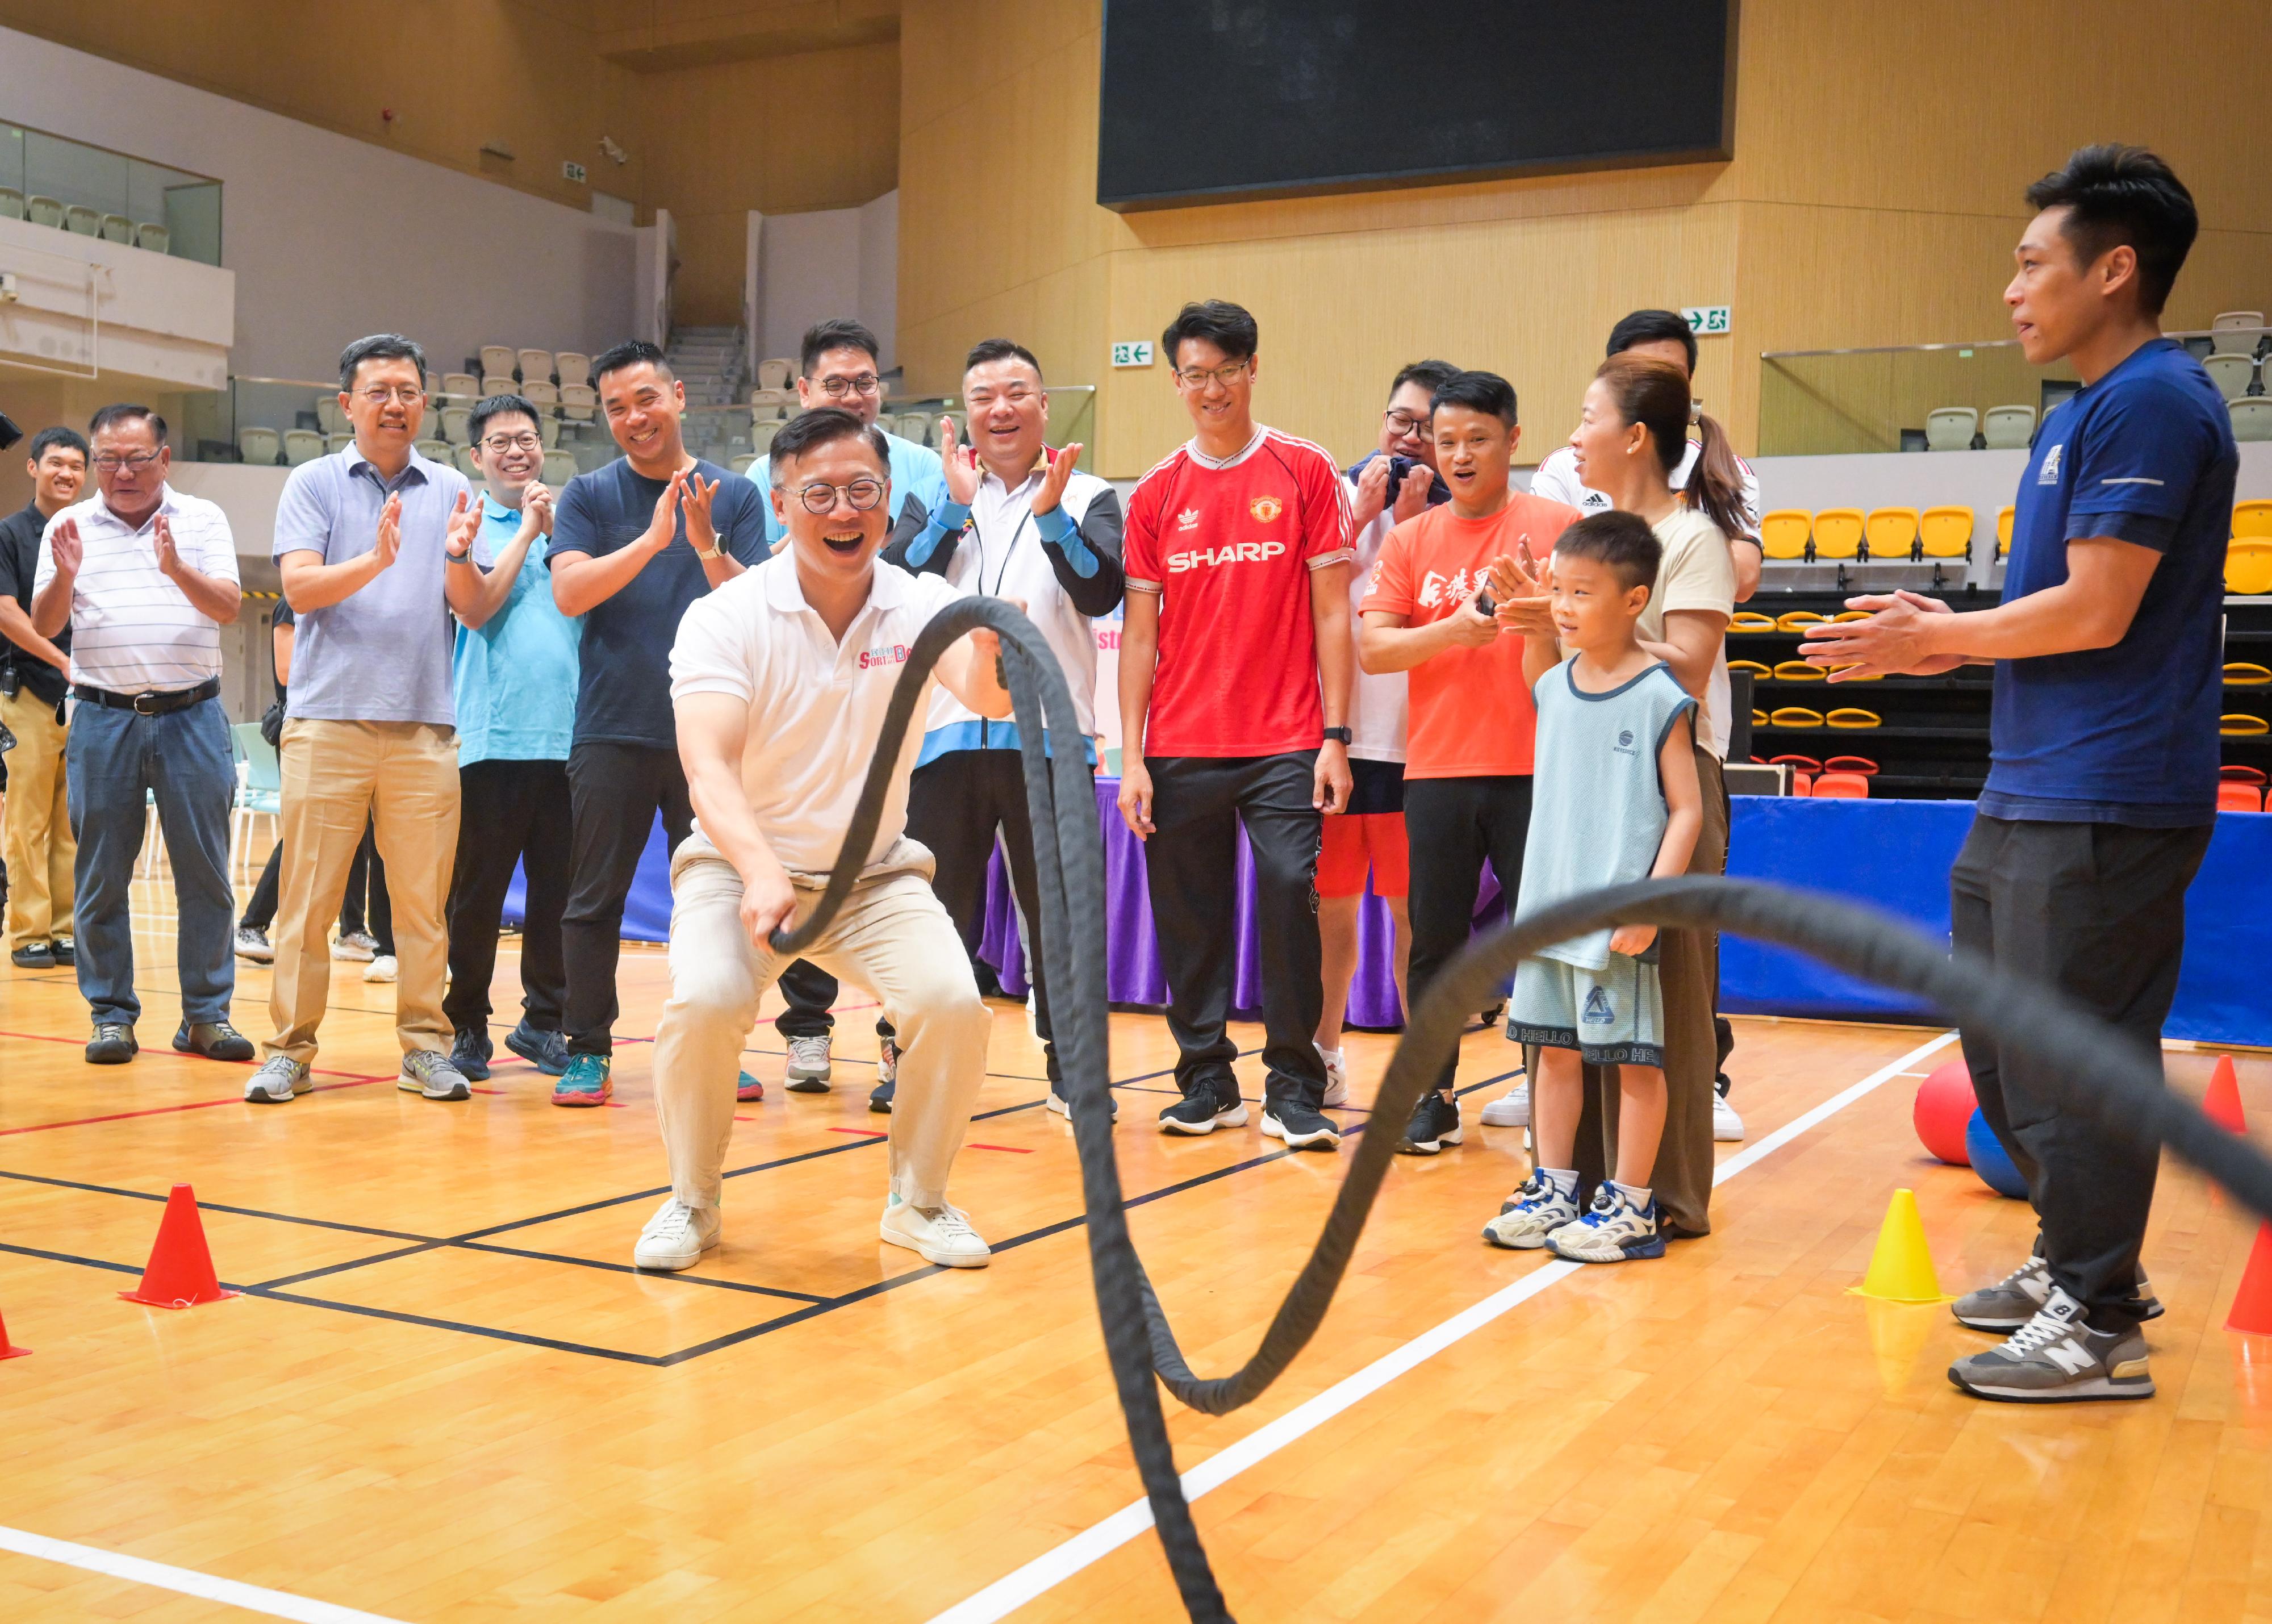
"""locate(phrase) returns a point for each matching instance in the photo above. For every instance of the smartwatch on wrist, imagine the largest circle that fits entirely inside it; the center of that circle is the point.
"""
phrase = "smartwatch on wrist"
(1340, 735)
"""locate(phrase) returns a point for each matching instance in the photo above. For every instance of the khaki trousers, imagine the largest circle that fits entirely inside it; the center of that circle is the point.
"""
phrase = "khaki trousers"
(893, 938)
(401, 777)
(1688, 970)
(40, 846)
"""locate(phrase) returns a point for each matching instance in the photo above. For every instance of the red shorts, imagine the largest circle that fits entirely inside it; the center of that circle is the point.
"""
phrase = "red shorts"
(1357, 842)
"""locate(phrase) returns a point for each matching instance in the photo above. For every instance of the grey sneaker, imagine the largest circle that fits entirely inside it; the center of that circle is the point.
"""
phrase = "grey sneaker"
(278, 1080)
(2019, 1296)
(2057, 1358)
(808, 1068)
(428, 1072)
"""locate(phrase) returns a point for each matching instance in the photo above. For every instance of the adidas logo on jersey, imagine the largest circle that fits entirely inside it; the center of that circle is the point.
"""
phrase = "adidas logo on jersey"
(1188, 519)
(1239, 552)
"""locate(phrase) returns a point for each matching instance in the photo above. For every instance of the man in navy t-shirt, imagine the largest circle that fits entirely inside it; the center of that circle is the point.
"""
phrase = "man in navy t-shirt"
(2102, 789)
(633, 544)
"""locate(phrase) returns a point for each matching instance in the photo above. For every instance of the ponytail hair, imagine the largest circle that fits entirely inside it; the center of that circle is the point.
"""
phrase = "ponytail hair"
(1654, 395)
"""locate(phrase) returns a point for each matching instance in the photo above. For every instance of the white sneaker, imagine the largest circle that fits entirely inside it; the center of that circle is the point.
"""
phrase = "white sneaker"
(354, 948)
(1531, 1213)
(1033, 1018)
(941, 1235)
(808, 1067)
(1336, 1073)
(278, 1080)
(1511, 1109)
(1727, 1126)
(381, 968)
(677, 1236)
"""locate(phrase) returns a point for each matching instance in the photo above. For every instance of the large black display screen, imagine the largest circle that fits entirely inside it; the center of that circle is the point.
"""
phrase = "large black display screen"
(1208, 101)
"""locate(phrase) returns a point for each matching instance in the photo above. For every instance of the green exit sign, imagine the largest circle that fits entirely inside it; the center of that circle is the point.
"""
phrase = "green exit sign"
(573, 171)
(1132, 353)
(1705, 320)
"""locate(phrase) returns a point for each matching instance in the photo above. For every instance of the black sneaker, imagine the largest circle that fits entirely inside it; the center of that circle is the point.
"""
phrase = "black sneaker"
(66, 953)
(216, 1040)
(1301, 1124)
(469, 1052)
(548, 1051)
(112, 1045)
(1435, 1124)
(1208, 1106)
(33, 955)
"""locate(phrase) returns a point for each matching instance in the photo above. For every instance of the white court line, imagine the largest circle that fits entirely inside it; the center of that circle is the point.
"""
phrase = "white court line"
(1054, 1566)
(188, 1582)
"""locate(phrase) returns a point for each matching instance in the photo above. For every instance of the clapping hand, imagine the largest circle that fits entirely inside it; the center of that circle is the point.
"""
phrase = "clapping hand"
(169, 554)
(66, 547)
(1521, 588)
(961, 465)
(388, 545)
(1053, 482)
(700, 534)
(1890, 643)
(665, 525)
(465, 524)
(536, 500)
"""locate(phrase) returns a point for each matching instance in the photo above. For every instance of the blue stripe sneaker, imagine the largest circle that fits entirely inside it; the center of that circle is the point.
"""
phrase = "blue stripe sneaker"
(1612, 1231)
(585, 1082)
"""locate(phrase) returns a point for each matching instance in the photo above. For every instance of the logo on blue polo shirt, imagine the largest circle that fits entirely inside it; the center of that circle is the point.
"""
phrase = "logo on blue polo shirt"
(2049, 474)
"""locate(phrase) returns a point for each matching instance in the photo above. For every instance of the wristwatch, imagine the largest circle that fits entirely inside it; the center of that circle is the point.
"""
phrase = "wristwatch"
(717, 549)
(1340, 735)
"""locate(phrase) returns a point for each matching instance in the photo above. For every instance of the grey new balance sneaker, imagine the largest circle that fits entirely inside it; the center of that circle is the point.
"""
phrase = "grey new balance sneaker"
(428, 1072)
(2014, 1299)
(278, 1080)
(2057, 1358)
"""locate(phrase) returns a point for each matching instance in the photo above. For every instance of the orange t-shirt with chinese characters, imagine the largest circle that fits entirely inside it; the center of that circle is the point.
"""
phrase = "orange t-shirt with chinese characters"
(1470, 715)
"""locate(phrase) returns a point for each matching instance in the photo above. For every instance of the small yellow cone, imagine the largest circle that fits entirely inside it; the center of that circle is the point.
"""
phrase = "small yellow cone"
(1901, 1269)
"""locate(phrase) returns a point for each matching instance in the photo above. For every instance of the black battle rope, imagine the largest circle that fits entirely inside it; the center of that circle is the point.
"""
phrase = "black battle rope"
(2110, 1080)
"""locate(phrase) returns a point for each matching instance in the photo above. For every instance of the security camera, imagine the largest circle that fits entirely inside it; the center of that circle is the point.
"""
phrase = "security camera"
(607, 145)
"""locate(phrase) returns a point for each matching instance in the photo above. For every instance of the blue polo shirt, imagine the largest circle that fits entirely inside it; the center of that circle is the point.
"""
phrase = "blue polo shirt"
(917, 471)
(515, 679)
(2128, 734)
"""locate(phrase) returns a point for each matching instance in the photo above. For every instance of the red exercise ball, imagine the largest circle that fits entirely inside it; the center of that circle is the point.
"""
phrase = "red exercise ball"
(1944, 1106)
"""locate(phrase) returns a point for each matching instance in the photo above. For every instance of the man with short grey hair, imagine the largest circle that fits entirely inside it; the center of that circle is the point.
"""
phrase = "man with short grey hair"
(373, 541)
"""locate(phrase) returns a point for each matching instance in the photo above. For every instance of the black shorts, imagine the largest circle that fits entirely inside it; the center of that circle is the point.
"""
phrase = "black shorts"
(1376, 787)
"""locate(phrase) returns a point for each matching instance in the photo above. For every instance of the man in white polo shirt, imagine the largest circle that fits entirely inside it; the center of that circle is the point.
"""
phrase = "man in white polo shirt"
(145, 577)
(808, 647)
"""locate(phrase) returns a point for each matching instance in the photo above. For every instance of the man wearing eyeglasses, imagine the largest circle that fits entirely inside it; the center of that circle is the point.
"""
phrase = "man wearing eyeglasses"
(370, 720)
(839, 366)
(513, 676)
(145, 577)
(1235, 663)
(634, 544)
(781, 680)
(1021, 523)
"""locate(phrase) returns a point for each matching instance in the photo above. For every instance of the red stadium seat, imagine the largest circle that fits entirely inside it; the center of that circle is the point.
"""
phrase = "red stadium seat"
(1842, 786)
(2240, 798)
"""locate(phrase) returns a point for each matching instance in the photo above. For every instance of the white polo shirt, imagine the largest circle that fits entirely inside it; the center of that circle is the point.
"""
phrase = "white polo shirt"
(816, 705)
(133, 629)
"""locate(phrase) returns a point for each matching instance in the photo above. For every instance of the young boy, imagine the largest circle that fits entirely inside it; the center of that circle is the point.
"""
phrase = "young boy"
(1617, 799)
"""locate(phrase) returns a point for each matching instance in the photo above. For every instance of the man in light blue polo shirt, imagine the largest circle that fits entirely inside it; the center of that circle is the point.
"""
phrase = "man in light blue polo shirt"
(371, 725)
(838, 365)
(515, 682)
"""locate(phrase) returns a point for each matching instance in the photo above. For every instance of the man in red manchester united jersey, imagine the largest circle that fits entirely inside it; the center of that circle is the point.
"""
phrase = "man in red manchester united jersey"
(1235, 660)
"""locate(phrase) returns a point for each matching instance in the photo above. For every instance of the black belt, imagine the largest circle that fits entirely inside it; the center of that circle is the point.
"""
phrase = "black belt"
(151, 704)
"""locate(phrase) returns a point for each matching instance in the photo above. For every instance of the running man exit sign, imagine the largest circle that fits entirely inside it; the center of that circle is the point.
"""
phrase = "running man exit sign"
(1704, 321)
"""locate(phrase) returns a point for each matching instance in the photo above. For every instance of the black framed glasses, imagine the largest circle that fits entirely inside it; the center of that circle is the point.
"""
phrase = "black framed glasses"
(837, 388)
(500, 444)
(1405, 422)
(821, 498)
(1199, 378)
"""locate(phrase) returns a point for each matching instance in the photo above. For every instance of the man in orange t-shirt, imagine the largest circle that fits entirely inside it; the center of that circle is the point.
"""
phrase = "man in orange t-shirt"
(1468, 736)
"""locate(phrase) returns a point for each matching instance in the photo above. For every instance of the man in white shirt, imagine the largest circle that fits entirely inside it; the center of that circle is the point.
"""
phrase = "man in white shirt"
(1662, 336)
(779, 680)
(1019, 522)
(145, 577)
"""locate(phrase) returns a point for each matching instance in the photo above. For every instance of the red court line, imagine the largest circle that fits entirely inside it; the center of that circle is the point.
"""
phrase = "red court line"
(1013, 1149)
(864, 1133)
(161, 1110)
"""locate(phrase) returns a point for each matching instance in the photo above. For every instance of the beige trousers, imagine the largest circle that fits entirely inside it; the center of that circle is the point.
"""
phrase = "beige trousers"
(402, 777)
(41, 846)
(892, 938)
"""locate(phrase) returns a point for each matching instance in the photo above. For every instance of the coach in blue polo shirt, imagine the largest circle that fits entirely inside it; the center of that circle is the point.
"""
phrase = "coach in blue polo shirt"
(2101, 790)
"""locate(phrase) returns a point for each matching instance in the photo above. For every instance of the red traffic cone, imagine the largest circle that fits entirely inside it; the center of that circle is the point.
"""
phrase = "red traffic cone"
(180, 1273)
(6, 1351)
(2251, 1304)
(2221, 1104)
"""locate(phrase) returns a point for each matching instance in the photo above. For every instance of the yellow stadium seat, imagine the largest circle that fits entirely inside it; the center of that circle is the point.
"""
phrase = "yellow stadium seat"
(2004, 530)
(2248, 566)
(2252, 518)
(1838, 532)
(1759, 719)
(1849, 614)
(2242, 726)
(1946, 533)
(2237, 674)
(1799, 620)
(1783, 533)
(1892, 532)
(1746, 620)
(1851, 717)
(1758, 670)
(1796, 716)
(1797, 671)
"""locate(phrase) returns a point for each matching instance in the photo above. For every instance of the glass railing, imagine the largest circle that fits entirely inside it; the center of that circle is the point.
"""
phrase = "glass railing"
(50, 180)
(1946, 397)
(289, 421)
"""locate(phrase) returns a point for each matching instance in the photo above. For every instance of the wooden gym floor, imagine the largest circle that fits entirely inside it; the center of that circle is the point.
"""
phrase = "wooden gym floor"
(445, 1396)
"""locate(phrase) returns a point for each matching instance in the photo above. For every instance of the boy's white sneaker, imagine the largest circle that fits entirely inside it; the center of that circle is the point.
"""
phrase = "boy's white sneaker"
(677, 1236)
(940, 1235)
(1534, 1211)
(1511, 1109)
(1727, 1126)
